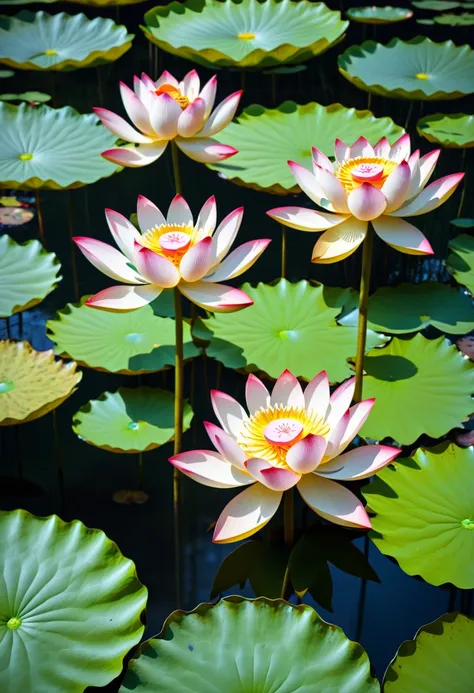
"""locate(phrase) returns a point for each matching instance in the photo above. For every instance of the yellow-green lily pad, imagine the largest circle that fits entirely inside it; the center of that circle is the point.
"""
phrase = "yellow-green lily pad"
(421, 386)
(29, 96)
(461, 260)
(266, 138)
(454, 130)
(424, 518)
(289, 326)
(131, 342)
(32, 383)
(130, 420)
(51, 148)
(42, 41)
(463, 19)
(244, 33)
(435, 5)
(27, 275)
(416, 69)
(379, 15)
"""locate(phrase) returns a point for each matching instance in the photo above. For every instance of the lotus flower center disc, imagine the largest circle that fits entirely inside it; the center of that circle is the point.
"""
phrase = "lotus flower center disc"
(175, 93)
(246, 36)
(13, 623)
(367, 173)
(5, 386)
(422, 75)
(282, 431)
(468, 524)
(174, 240)
(25, 157)
(50, 51)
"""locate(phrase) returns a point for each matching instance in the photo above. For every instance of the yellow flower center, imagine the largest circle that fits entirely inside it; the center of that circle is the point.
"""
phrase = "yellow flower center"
(175, 93)
(422, 75)
(170, 240)
(271, 432)
(246, 36)
(364, 169)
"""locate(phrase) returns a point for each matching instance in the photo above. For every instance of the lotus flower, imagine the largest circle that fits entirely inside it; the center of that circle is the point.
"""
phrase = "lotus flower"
(170, 110)
(289, 438)
(169, 252)
(366, 184)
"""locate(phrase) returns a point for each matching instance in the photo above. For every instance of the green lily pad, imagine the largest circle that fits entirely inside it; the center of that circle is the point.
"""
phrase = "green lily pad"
(463, 223)
(244, 33)
(415, 69)
(412, 307)
(461, 260)
(268, 137)
(435, 5)
(30, 96)
(118, 342)
(36, 146)
(425, 22)
(130, 420)
(32, 383)
(6, 73)
(379, 15)
(463, 19)
(42, 41)
(420, 386)
(242, 645)
(289, 326)
(439, 658)
(425, 514)
(70, 605)
(455, 130)
(27, 274)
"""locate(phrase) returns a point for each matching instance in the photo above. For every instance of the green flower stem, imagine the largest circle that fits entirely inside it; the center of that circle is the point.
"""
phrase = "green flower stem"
(283, 251)
(363, 305)
(176, 173)
(463, 191)
(39, 214)
(289, 534)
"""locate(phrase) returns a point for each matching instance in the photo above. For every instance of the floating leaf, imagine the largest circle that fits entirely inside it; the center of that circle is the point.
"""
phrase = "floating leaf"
(242, 645)
(421, 386)
(435, 5)
(119, 342)
(30, 96)
(425, 22)
(15, 216)
(129, 420)
(454, 130)
(463, 19)
(246, 33)
(32, 383)
(414, 69)
(268, 137)
(41, 41)
(44, 147)
(6, 73)
(425, 516)
(27, 274)
(379, 15)
(461, 261)
(439, 658)
(289, 326)
(412, 307)
(463, 223)
(70, 605)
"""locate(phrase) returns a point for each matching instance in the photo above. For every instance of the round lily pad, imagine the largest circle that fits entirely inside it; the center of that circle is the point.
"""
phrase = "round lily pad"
(32, 383)
(461, 260)
(268, 137)
(6, 73)
(42, 41)
(129, 420)
(463, 19)
(30, 96)
(70, 605)
(379, 15)
(425, 514)
(463, 222)
(455, 130)
(244, 33)
(289, 326)
(131, 342)
(36, 146)
(242, 645)
(412, 307)
(420, 386)
(439, 658)
(415, 69)
(435, 5)
(27, 274)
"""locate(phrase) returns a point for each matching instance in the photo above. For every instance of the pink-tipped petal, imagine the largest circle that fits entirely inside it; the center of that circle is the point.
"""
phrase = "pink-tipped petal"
(123, 232)
(316, 394)
(256, 394)
(423, 172)
(136, 110)
(306, 454)
(207, 218)
(246, 514)
(164, 116)
(145, 95)
(190, 85)
(156, 268)
(366, 202)
(108, 260)
(230, 413)
(192, 118)
(124, 297)
(135, 157)
(433, 196)
(119, 127)
(287, 391)
(239, 260)
(400, 150)
(358, 415)
(309, 185)
(210, 469)
(197, 261)
(208, 94)
(339, 242)
(222, 115)
(225, 233)
(217, 298)
(305, 219)
(206, 150)
(179, 212)
(165, 78)
(274, 478)
(226, 445)
(340, 401)
(382, 148)
(414, 159)
(396, 187)
(402, 236)
(361, 147)
(148, 214)
(333, 502)
(320, 159)
(333, 189)
(336, 435)
(359, 463)
(341, 151)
